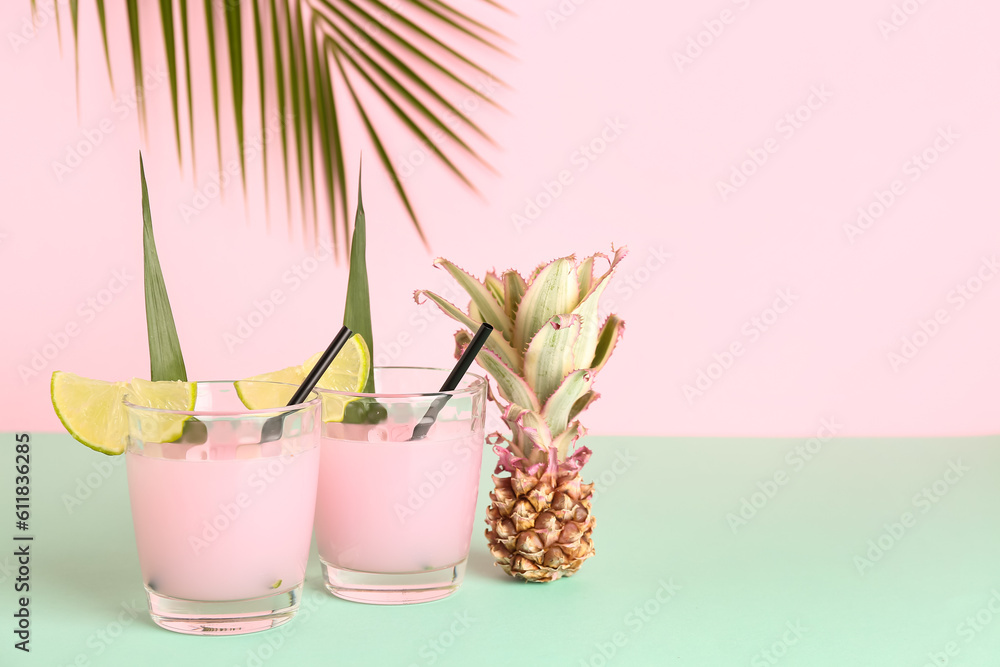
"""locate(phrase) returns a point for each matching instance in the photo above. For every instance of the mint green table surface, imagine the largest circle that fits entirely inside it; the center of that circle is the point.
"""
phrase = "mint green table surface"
(677, 580)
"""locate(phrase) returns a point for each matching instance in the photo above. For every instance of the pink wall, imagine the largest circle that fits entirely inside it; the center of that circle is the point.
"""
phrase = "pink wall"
(836, 107)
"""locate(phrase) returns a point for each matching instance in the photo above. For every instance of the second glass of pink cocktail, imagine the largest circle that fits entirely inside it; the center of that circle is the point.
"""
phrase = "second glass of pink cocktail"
(394, 514)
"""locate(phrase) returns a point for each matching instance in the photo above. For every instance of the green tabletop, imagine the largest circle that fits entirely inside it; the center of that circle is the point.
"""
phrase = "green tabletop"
(709, 552)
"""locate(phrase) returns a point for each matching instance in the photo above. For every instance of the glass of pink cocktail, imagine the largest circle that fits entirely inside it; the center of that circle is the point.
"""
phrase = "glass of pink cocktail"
(394, 515)
(223, 517)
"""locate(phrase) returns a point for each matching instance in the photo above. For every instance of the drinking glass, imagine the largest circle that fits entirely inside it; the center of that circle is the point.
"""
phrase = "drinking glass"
(223, 516)
(394, 515)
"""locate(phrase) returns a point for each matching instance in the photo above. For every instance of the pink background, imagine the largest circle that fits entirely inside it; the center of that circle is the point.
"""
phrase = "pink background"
(683, 128)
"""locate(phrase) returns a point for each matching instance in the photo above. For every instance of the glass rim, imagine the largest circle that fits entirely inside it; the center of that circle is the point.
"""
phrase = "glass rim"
(478, 383)
(232, 413)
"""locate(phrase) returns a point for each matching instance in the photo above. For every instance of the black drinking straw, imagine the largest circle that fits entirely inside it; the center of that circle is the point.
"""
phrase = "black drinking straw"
(274, 426)
(324, 362)
(451, 382)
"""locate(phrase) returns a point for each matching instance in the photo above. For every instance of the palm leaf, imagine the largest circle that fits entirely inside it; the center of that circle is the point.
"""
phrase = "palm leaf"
(258, 37)
(103, 19)
(234, 39)
(167, 19)
(187, 80)
(408, 121)
(133, 28)
(499, 6)
(410, 66)
(411, 75)
(294, 75)
(279, 75)
(324, 119)
(336, 148)
(449, 19)
(58, 26)
(410, 124)
(165, 359)
(415, 51)
(74, 15)
(307, 115)
(380, 149)
(417, 30)
(214, 69)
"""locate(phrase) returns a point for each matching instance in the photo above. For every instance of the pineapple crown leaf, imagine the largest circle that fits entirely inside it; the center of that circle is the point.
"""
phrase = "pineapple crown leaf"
(512, 386)
(494, 285)
(541, 267)
(566, 440)
(579, 458)
(514, 288)
(529, 423)
(611, 332)
(482, 295)
(553, 291)
(582, 403)
(559, 406)
(462, 340)
(549, 357)
(496, 344)
(510, 462)
(587, 343)
(585, 274)
(552, 346)
(613, 262)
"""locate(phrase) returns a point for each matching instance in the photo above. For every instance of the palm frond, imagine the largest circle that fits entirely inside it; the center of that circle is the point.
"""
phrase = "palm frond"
(400, 56)
(74, 15)
(336, 148)
(133, 29)
(279, 75)
(258, 38)
(58, 26)
(294, 75)
(380, 149)
(234, 39)
(307, 112)
(213, 66)
(167, 19)
(185, 34)
(102, 17)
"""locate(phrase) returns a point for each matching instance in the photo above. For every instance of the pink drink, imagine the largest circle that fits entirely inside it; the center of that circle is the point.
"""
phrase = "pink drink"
(236, 526)
(385, 505)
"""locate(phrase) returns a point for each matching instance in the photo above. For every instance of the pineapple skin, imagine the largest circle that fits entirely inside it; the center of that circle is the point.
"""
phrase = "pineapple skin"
(540, 526)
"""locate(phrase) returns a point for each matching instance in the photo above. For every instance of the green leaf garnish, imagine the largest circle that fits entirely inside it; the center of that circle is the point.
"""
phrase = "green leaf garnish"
(165, 359)
(357, 310)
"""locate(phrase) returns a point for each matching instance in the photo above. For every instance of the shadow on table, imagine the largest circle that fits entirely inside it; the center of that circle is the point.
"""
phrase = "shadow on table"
(100, 586)
(483, 566)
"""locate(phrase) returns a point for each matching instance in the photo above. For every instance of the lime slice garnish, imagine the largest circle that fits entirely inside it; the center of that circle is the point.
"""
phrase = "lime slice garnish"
(93, 412)
(348, 372)
(164, 396)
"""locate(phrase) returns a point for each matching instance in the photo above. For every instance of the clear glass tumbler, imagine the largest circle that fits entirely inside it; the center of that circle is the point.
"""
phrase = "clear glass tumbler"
(222, 503)
(394, 515)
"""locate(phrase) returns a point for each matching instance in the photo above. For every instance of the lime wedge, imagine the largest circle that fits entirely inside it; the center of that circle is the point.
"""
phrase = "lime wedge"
(348, 372)
(164, 396)
(93, 412)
